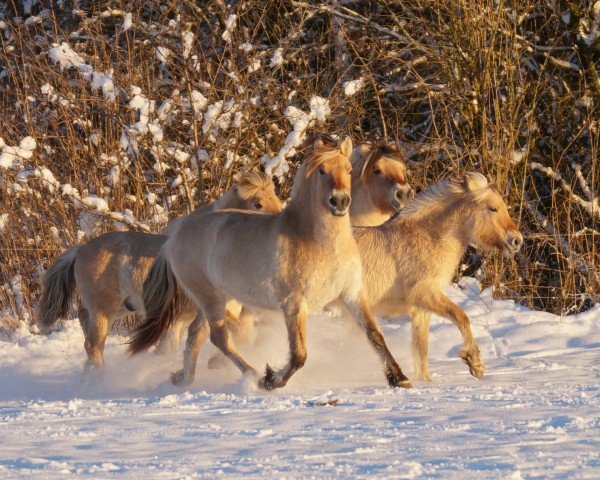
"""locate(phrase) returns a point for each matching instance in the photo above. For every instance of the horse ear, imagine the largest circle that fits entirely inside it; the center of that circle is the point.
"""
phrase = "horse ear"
(318, 143)
(474, 181)
(346, 146)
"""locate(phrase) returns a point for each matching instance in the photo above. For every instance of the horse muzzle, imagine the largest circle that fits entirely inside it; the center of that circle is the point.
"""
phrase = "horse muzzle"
(339, 202)
(514, 242)
(400, 196)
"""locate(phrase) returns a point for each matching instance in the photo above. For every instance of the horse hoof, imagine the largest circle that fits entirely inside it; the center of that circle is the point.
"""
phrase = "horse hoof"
(398, 381)
(178, 379)
(477, 372)
(268, 381)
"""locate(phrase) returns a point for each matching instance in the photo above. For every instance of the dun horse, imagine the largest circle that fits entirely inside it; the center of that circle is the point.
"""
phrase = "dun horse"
(109, 270)
(379, 190)
(296, 261)
(379, 183)
(410, 260)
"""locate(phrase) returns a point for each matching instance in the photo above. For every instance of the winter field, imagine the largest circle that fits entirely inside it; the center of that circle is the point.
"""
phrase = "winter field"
(535, 415)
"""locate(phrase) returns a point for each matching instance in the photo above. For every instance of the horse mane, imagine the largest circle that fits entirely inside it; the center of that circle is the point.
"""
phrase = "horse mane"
(320, 155)
(363, 163)
(251, 182)
(444, 191)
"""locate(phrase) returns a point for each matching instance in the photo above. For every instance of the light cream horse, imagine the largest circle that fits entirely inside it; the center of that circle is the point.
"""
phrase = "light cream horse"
(410, 260)
(109, 270)
(297, 261)
(380, 189)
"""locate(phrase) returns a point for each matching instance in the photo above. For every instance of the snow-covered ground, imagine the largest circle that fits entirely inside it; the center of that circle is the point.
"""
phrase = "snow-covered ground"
(535, 415)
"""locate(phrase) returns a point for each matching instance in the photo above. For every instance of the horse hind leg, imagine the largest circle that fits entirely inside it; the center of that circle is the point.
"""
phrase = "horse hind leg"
(198, 332)
(242, 332)
(420, 344)
(361, 311)
(214, 308)
(96, 329)
(170, 342)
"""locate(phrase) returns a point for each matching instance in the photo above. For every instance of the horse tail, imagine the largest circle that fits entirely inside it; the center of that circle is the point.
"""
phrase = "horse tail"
(163, 303)
(57, 289)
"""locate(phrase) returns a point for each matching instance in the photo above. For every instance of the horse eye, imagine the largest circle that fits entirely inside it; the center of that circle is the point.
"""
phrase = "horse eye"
(258, 205)
(321, 171)
(492, 209)
(377, 171)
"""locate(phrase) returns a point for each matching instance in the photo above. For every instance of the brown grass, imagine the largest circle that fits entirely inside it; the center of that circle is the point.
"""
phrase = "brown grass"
(507, 88)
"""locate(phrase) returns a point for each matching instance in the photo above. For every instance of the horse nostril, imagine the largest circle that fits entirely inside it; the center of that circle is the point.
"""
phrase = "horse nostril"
(399, 195)
(517, 241)
(345, 201)
(333, 201)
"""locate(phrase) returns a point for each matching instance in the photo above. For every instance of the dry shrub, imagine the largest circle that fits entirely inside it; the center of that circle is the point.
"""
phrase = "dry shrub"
(508, 88)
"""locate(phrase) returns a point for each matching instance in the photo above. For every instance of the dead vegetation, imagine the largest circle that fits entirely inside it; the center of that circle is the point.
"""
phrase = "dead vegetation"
(140, 110)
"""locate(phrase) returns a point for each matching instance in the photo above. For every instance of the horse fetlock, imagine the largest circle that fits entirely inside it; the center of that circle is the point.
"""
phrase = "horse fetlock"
(179, 379)
(471, 356)
(92, 373)
(422, 374)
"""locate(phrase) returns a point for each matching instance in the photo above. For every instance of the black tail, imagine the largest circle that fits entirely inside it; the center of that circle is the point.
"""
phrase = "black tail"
(58, 287)
(163, 302)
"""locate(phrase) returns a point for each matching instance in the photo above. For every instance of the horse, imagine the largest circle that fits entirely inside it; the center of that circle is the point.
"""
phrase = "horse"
(109, 270)
(296, 262)
(410, 260)
(380, 189)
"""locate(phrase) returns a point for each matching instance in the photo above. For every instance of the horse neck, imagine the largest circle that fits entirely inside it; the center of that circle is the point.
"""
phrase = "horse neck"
(362, 210)
(311, 219)
(443, 225)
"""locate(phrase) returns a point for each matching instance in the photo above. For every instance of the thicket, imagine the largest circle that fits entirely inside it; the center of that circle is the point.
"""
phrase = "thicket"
(120, 115)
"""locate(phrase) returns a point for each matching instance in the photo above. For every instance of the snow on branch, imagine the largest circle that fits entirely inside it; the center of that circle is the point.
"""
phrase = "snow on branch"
(592, 206)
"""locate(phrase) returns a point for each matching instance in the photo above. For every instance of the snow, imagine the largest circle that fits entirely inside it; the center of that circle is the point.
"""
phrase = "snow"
(229, 27)
(11, 156)
(277, 58)
(353, 86)
(319, 111)
(66, 58)
(127, 22)
(3, 221)
(535, 415)
(187, 41)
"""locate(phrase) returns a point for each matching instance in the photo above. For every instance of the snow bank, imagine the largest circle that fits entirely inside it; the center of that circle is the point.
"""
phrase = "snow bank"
(535, 415)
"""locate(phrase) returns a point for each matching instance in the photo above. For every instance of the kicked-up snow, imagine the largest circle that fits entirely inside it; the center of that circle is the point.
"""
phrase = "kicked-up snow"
(535, 415)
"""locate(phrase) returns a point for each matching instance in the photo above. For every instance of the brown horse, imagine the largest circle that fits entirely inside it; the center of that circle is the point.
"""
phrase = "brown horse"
(109, 270)
(296, 261)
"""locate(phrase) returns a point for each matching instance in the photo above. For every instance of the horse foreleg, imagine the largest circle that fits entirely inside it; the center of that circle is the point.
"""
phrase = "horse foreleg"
(420, 343)
(360, 310)
(295, 312)
(198, 332)
(443, 306)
